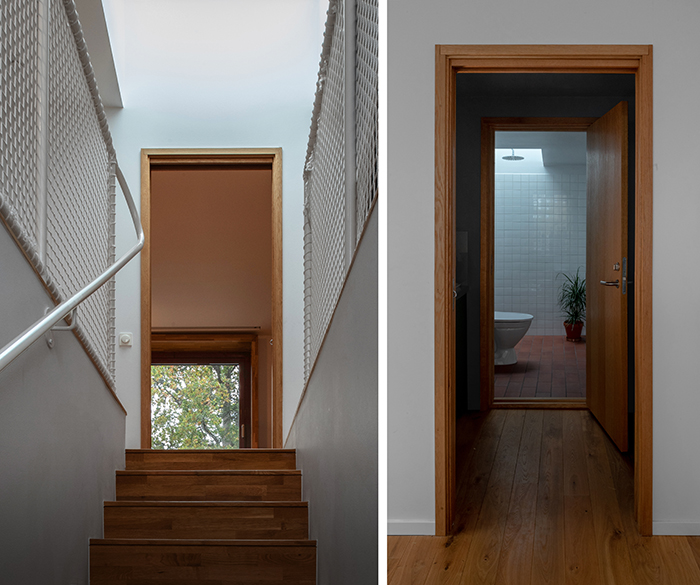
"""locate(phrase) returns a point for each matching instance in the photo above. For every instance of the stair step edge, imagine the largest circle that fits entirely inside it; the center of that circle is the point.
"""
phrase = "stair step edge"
(205, 504)
(199, 542)
(210, 451)
(208, 472)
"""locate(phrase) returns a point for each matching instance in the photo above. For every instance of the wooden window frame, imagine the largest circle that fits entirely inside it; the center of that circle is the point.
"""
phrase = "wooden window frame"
(453, 59)
(229, 157)
(192, 346)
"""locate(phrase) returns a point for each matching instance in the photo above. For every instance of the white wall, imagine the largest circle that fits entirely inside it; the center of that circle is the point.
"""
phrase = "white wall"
(414, 28)
(61, 441)
(215, 73)
(335, 430)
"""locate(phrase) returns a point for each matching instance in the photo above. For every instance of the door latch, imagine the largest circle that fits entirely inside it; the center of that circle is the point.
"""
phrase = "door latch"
(616, 283)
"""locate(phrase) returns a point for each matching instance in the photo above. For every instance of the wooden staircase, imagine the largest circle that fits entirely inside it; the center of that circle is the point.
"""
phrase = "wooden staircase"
(216, 517)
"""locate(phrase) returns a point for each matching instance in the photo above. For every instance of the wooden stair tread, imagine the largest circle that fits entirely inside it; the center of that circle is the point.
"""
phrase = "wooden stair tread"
(211, 459)
(282, 485)
(208, 504)
(198, 542)
(215, 562)
(206, 520)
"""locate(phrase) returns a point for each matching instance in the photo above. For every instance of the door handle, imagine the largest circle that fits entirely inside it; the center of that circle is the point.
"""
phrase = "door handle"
(616, 284)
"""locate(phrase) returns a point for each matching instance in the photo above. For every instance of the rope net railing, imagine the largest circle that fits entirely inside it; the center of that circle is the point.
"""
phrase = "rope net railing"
(324, 190)
(366, 109)
(326, 197)
(19, 117)
(57, 177)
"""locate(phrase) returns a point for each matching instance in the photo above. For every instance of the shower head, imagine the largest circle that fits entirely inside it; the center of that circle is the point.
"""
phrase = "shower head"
(512, 156)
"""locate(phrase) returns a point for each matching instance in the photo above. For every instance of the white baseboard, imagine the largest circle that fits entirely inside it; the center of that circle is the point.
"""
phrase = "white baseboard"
(410, 528)
(676, 528)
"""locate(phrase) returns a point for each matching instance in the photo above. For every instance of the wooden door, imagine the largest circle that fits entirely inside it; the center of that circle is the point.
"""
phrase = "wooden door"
(606, 257)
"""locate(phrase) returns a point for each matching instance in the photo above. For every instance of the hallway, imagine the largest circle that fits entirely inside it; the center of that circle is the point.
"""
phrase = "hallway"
(542, 497)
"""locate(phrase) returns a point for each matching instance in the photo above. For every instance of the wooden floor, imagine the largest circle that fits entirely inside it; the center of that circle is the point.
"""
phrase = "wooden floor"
(543, 497)
(548, 366)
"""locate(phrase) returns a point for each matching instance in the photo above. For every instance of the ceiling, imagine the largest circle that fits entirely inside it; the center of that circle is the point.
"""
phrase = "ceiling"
(92, 20)
(544, 84)
(558, 148)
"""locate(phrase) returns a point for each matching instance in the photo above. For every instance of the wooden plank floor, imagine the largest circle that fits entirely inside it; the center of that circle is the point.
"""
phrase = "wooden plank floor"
(542, 497)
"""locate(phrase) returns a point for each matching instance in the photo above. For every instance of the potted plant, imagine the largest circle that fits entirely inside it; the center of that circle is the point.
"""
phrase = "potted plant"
(572, 302)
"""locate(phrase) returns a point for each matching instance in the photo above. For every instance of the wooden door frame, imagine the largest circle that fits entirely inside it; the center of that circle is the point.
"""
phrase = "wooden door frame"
(230, 157)
(489, 127)
(453, 59)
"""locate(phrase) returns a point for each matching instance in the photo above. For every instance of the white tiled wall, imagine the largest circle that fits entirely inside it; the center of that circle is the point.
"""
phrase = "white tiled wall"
(540, 232)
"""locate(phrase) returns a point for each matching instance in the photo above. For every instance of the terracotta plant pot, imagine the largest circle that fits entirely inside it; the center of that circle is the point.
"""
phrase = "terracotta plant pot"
(573, 332)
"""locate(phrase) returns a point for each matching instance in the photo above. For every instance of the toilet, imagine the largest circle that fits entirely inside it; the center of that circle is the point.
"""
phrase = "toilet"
(509, 329)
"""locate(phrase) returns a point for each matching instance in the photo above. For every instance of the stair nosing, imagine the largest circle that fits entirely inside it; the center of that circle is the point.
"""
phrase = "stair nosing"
(198, 542)
(205, 451)
(208, 472)
(205, 503)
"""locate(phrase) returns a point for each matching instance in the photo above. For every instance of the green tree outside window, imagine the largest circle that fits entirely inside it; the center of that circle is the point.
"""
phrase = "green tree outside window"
(195, 406)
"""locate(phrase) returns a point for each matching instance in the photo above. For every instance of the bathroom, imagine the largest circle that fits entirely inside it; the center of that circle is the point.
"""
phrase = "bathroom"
(539, 236)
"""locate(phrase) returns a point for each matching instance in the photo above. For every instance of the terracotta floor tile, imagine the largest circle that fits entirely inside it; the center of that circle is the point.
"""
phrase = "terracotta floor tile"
(548, 367)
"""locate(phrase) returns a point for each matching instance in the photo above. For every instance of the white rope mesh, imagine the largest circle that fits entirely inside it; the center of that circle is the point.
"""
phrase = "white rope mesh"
(80, 223)
(80, 207)
(324, 190)
(19, 112)
(366, 109)
(324, 174)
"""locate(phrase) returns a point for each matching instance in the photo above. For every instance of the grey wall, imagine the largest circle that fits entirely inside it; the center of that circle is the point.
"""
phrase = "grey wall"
(335, 431)
(61, 440)
(485, 95)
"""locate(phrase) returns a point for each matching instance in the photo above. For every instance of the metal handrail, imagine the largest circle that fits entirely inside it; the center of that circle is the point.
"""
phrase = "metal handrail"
(23, 341)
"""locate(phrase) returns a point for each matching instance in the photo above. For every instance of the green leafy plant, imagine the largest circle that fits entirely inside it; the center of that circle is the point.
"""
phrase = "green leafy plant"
(195, 406)
(572, 297)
